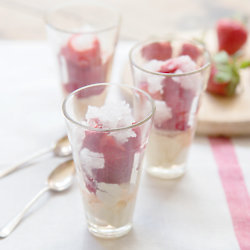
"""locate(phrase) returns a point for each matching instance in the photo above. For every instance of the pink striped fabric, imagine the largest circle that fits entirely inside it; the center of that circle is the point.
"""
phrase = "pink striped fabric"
(234, 187)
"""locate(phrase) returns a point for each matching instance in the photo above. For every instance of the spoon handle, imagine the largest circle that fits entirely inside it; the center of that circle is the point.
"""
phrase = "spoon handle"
(13, 168)
(11, 225)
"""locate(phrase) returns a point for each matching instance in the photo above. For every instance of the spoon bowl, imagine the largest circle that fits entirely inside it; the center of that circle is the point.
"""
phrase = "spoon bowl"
(59, 180)
(61, 148)
(61, 177)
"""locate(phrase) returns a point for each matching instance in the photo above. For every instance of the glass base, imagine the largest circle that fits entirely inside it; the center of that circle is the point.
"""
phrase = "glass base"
(172, 172)
(108, 232)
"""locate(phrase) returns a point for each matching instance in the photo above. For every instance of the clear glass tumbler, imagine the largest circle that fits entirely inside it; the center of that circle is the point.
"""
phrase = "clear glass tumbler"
(108, 128)
(174, 72)
(84, 37)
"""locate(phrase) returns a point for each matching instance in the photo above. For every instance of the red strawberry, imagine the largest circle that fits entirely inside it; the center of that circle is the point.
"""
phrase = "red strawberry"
(215, 87)
(157, 50)
(232, 35)
(190, 50)
(224, 76)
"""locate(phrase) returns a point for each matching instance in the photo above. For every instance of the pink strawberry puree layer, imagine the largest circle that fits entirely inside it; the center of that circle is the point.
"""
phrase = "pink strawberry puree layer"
(175, 93)
(83, 62)
(110, 154)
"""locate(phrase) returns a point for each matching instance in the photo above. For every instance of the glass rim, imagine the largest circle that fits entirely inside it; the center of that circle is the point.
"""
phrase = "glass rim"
(48, 12)
(137, 45)
(136, 124)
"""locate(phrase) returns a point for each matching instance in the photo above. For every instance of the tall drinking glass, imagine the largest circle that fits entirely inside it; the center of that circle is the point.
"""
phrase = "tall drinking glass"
(174, 72)
(108, 128)
(84, 37)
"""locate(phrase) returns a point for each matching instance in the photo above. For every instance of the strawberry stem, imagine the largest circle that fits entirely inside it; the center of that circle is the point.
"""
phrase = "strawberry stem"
(244, 64)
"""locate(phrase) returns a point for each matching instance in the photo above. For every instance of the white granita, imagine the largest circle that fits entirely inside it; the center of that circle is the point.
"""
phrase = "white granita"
(154, 81)
(123, 136)
(83, 42)
(154, 65)
(154, 84)
(113, 115)
(185, 65)
(163, 112)
(91, 160)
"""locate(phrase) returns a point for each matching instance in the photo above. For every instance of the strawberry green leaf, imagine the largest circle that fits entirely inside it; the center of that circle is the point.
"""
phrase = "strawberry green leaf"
(222, 77)
(221, 57)
(245, 64)
(234, 81)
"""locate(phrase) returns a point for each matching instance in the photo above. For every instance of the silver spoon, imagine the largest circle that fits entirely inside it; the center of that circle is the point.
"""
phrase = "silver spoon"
(61, 148)
(59, 179)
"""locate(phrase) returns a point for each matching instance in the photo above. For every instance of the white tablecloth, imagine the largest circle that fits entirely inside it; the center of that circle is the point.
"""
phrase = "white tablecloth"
(191, 213)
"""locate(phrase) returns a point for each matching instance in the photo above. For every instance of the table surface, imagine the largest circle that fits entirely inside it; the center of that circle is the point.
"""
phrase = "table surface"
(209, 208)
(193, 212)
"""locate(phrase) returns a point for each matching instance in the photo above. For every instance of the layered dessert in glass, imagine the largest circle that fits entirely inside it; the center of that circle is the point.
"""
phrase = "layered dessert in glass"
(108, 143)
(84, 38)
(174, 72)
(82, 62)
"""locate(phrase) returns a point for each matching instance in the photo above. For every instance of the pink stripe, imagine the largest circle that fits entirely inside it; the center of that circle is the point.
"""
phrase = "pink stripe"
(235, 188)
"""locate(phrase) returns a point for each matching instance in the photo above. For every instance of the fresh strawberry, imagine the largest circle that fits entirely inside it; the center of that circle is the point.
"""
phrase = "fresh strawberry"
(190, 50)
(213, 85)
(157, 50)
(232, 35)
(224, 76)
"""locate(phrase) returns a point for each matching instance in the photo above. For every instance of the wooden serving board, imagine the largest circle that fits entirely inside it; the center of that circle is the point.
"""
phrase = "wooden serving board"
(220, 115)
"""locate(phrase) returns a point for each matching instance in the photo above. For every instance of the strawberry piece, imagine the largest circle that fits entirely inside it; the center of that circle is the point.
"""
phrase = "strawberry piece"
(178, 97)
(169, 67)
(118, 162)
(180, 101)
(119, 158)
(91, 184)
(70, 87)
(92, 140)
(157, 50)
(224, 76)
(82, 59)
(190, 50)
(232, 35)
